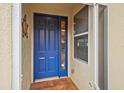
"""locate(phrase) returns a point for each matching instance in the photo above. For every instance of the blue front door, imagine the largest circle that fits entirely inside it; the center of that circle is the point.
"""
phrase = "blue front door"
(46, 43)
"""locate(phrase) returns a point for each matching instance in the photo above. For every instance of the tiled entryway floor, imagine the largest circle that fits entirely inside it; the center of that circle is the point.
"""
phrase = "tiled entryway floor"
(57, 84)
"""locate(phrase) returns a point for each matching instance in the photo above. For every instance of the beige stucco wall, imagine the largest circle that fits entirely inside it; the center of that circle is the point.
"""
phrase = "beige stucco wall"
(116, 46)
(5, 46)
(26, 52)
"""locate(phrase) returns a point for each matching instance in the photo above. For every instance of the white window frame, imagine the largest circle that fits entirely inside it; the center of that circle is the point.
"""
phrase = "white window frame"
(80, 34)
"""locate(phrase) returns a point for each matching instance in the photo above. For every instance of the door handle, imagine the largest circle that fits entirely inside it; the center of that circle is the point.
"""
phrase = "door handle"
(51, 57)
(42, 58)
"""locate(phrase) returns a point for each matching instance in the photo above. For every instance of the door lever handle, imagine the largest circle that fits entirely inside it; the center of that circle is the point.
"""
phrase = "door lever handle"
(42, 58)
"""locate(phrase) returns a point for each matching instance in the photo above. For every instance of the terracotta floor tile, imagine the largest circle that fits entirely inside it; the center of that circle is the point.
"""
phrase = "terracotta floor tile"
(57, 84)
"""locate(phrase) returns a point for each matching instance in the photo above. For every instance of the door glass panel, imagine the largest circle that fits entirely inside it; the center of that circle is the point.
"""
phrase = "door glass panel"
(63, 42)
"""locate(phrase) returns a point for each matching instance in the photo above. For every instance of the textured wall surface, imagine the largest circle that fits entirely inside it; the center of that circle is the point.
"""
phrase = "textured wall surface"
(26, 52)
(116, 46)
(5, 46)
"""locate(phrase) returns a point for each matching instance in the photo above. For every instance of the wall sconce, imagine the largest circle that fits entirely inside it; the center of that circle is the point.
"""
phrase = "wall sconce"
(24, 27)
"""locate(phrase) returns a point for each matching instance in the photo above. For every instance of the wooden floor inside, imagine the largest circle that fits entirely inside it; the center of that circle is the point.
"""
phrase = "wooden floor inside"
(57, 84)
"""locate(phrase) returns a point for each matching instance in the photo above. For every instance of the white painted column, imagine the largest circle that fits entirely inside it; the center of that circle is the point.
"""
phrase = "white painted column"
(96, 30)
(16, 46)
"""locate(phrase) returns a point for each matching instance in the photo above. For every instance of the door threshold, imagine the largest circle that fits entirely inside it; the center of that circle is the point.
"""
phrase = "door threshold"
(51, 78)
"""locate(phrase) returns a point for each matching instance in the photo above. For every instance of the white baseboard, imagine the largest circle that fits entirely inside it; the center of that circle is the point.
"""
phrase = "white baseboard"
(51, 78)
(75, 83)
(45, 79)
